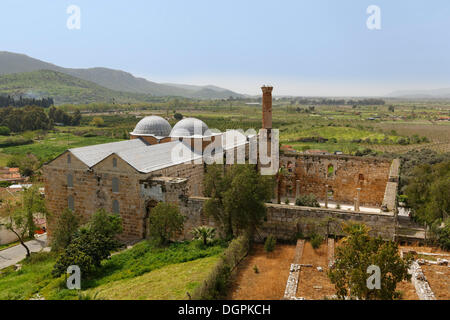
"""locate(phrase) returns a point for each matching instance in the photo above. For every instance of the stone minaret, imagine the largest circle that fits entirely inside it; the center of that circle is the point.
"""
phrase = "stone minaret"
(267, 107)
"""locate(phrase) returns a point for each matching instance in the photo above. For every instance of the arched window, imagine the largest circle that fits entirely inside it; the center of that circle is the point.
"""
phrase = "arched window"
(361, 177)
(70, 180)
(115, 184)
(70, 203)
(114, 162)
(116, 207)
(330, 171)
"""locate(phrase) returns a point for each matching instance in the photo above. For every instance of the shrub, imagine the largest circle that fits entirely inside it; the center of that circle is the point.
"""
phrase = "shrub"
(255, 268)
(316, 240)
(4, 131)
(66, 226)
(165, 221)
(286, 201)
(308, 200)
(12, 142)
(444, 235)
(90, 244)
(269, 245)
(204, 233)
(98, 122)
(214, 287)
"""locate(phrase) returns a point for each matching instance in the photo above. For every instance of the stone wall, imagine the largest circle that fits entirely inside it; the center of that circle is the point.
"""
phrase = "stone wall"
(342, 174)
(92, 190)
(285, 221)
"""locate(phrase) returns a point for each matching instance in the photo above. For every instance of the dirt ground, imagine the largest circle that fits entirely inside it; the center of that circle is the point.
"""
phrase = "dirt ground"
(407, 290)
(439, 279)
(314, 284)
(424, 249)
(270, 282)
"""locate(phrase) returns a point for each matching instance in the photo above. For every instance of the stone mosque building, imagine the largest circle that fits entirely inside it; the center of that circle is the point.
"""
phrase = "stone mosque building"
(161, 163)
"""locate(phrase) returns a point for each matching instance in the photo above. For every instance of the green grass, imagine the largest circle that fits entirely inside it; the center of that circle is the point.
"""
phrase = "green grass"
(143, 260)
(52, 145)
(167, 283)
(24, 284)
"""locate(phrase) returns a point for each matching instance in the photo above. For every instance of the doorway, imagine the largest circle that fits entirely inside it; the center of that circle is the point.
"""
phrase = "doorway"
(148, 208)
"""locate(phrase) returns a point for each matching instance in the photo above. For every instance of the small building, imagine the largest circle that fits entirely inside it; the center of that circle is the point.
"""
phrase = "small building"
(11, 175)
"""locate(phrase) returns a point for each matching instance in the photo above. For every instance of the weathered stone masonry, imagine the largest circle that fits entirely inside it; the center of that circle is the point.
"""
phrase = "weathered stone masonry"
(284, 221)
(342, 174)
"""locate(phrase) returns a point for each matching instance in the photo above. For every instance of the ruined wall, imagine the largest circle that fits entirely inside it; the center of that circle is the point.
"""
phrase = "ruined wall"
(343, 175)
(284, 221)
(192, 209)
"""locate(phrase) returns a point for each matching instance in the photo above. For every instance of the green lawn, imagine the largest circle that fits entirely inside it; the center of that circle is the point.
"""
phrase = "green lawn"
(167, 283)
(144, 267)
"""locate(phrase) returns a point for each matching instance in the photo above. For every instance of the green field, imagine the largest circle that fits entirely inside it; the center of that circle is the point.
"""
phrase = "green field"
(343, 128)
(152, 272)
(52, 145)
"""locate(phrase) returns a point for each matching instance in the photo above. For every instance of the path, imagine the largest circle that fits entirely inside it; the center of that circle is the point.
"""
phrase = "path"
(13, 255)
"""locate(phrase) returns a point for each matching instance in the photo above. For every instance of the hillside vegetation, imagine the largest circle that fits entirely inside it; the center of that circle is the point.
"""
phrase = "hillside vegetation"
(62, 88)
(117, 80)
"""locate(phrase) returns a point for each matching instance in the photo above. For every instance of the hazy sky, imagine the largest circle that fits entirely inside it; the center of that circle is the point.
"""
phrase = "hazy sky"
(315, 47)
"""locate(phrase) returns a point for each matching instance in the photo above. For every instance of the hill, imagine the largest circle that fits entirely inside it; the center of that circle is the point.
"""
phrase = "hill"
(62, 88)
(443, 93)
(117, 80)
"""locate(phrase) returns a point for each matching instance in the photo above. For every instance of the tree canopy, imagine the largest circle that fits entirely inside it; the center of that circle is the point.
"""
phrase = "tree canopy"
(237, 197)
(357, 253)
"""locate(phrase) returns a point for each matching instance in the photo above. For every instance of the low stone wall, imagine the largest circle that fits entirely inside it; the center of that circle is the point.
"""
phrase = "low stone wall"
(285, 221)
(420, 282)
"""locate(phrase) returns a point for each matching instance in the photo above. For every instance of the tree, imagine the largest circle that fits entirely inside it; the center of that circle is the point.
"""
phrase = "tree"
(106, 224)
(165, 221)
(76, 118)
(98, 122)
(178, 116)
(238, 196)
(90, 244)
(4, 131)
(353, 258)
(66, 226)
(19, 215)
(428, 193)
(204, 233)
(15, 220)
(27, 164)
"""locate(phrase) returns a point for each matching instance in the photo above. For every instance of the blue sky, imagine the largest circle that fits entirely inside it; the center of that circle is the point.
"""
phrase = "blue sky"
(320, 47)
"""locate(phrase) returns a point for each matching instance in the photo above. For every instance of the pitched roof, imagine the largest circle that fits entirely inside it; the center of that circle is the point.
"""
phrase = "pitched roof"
(140, 155)
(92, 155)
(146, 158)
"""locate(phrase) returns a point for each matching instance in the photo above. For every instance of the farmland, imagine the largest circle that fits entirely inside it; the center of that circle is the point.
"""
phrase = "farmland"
(392, 128)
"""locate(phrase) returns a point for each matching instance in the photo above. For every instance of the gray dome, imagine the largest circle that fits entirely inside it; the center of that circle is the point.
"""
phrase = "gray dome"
(153, 125)
(189, 127)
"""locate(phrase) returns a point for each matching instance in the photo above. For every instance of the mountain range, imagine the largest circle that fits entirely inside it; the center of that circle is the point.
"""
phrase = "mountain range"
(110, 83)
(443, 93)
